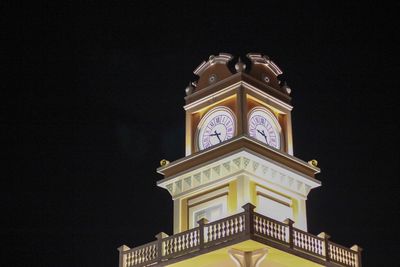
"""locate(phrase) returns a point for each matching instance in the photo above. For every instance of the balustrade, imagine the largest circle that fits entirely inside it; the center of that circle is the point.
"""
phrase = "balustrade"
(270, 228)
(141, 256)
(245, 224)
(342, 255)
(222, 230)
(180, 243)
(308, 242)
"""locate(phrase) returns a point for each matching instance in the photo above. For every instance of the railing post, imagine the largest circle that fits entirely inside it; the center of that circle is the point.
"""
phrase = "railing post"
(160, 247)
(249, 218)
(290, 223)
(326, 237)
(122, 256)
(357, 249)
(201, 223)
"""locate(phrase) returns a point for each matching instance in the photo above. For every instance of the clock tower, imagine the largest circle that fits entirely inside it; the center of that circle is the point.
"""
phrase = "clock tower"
(239, 193)
(239, 140)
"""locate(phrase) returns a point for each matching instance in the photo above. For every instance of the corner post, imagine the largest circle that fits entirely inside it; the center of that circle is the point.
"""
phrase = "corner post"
(326, 237)
(290, 223)
(122, 256)
(249, 218)
(160, 247)
(201, 223)
(357, 249)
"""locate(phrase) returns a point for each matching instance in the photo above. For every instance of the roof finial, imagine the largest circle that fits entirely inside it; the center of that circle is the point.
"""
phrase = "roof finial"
(189, 89)
(286, 88)
(240, 66)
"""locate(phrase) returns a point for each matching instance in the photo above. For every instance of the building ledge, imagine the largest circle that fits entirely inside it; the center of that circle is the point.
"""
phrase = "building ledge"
(242, 142)
(232, 230)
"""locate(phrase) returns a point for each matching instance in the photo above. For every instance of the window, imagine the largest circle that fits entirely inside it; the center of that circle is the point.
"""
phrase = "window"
(211, 206)
(273, 205)
(212, 213)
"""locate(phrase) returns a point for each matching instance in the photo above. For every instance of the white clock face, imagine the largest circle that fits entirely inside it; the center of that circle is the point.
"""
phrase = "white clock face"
(215, 127)
(264, 127)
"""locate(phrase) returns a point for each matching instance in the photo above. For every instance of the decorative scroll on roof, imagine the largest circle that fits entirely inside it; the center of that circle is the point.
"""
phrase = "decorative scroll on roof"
(260, 59)
(222, 58)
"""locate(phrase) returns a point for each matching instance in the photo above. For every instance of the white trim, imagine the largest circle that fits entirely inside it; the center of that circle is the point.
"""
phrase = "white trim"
(212, 194)
(267, 96)
(279, 197)
(213, 95)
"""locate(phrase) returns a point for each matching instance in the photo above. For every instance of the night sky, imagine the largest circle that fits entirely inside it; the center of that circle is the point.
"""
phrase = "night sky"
(98, 101)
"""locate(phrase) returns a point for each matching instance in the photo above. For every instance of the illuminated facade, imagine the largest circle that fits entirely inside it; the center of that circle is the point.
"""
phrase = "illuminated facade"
(239, 193)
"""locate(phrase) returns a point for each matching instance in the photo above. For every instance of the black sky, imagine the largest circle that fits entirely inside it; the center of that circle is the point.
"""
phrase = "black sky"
(97, 102)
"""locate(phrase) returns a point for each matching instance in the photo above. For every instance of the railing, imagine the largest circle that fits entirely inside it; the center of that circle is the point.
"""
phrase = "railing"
(308, 243)
(140, 256)
(270, 228)
(342, 255)
(223, 230)
(181, 243)
(245, 225)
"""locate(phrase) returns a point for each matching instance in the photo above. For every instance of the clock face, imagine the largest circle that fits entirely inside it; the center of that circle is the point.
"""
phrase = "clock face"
(264, 127)
(215, 127)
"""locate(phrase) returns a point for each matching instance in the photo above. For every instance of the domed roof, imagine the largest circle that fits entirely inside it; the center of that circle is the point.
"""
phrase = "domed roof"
(218, 68)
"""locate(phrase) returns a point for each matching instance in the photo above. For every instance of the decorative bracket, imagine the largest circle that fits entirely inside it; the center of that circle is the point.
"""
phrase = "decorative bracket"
(248, 258)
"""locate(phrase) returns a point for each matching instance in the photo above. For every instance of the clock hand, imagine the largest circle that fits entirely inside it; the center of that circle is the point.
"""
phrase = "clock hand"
(263, 134)
(265, 137)
(217, 135)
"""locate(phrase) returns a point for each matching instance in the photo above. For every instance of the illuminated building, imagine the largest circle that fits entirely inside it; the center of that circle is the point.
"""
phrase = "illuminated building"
(239, 193)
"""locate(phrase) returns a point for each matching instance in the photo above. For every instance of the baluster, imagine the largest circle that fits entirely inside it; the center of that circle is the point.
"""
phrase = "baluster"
(312, 244)
(129, 259)
(307, 242)
(135, 257)
(235, 226)
(270, 229)
(303, 244)
(169, 242)
(228, 227)
(264, 227)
